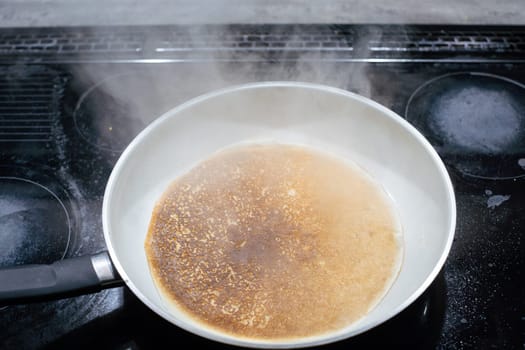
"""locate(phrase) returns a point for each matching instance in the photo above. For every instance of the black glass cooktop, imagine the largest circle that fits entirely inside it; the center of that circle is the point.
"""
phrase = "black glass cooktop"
(72, 99)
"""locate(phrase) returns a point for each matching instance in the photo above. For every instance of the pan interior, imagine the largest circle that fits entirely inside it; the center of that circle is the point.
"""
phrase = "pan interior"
(328, 119)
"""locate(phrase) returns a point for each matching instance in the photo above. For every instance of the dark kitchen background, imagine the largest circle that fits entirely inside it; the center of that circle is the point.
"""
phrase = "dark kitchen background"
(78, 80)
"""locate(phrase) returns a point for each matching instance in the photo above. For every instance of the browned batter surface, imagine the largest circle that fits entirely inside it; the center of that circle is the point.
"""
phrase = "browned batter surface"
(273, 241)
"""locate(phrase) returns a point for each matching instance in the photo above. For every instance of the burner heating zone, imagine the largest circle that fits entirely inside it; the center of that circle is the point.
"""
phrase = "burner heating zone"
(35, 226)
(476, 121)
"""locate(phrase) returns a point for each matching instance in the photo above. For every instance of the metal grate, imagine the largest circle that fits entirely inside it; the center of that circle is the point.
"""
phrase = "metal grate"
(156, 40)
(449, 41)
(70, 42)
(282, 41)
(28, 106)
(257, 40)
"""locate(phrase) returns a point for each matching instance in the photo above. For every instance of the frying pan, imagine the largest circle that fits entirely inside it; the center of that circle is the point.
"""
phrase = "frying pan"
(322, 117)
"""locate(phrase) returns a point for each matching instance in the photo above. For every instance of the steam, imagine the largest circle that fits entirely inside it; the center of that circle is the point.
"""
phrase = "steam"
(124, 98)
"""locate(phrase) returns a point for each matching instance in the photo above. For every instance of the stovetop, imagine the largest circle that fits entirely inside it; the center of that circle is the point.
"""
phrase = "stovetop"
(71, 99)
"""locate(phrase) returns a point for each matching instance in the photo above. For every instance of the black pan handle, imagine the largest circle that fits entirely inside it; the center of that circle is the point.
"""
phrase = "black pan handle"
(73, 276)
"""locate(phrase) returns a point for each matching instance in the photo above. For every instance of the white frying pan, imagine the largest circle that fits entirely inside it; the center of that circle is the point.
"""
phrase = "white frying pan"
(326, 118)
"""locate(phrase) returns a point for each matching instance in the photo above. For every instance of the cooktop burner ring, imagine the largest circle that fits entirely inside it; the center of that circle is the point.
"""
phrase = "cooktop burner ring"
(102, 117)
(476, 122)
(37, 226)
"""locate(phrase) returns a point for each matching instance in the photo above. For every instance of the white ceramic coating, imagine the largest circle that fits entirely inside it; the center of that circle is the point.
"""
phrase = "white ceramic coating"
(329, 119)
